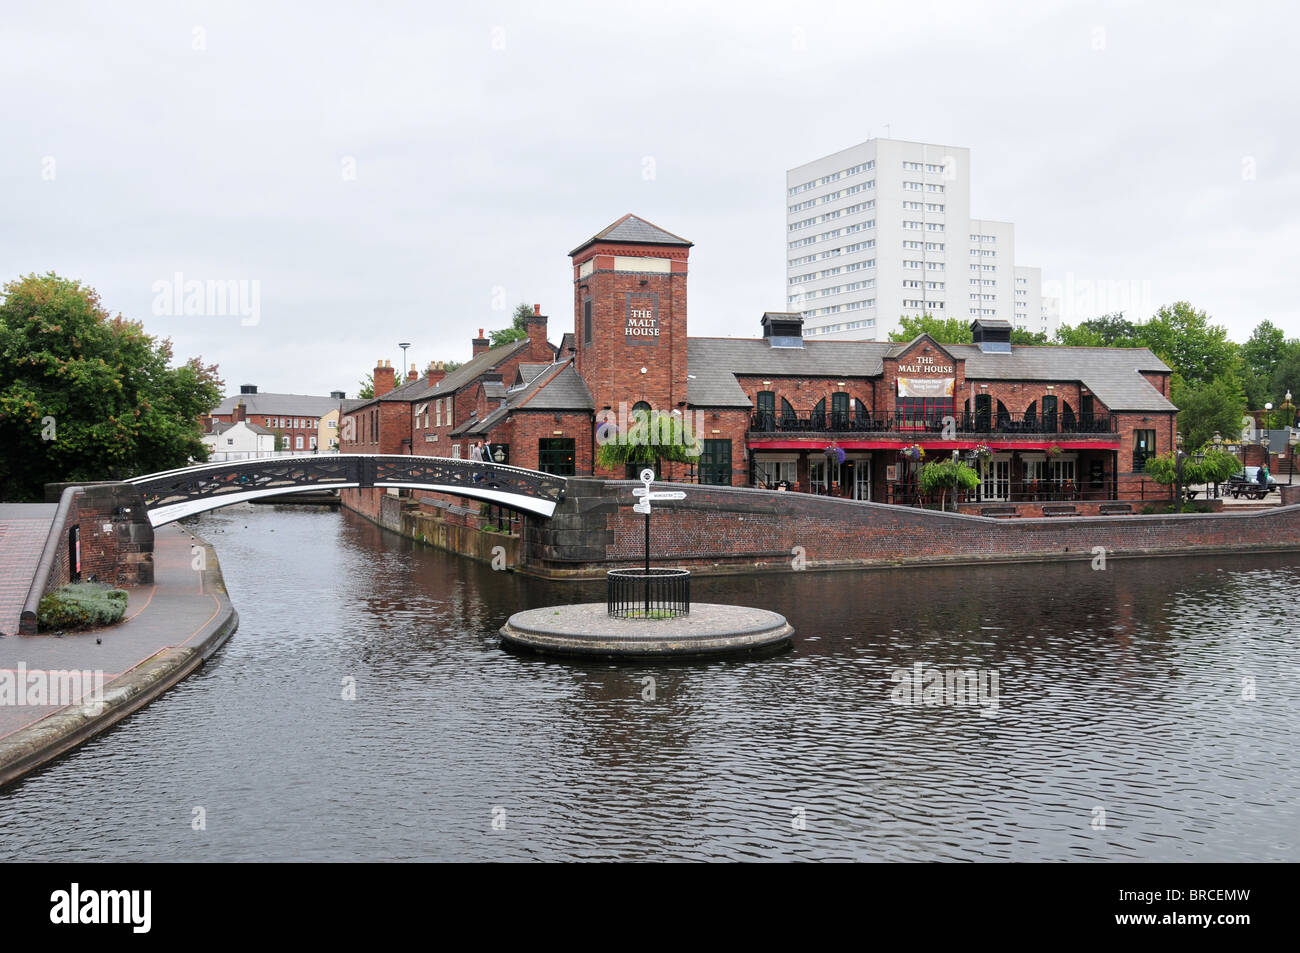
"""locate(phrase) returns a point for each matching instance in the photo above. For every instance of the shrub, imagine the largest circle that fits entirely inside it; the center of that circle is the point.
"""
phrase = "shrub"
(80, 605)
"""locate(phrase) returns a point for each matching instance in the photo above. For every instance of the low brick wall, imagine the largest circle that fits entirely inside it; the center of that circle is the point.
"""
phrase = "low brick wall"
(1081, 507)
(116, 536)
(723, 529)
(1290, 494)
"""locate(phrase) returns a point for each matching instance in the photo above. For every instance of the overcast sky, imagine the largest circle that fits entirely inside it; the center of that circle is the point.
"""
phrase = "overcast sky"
(395, 171)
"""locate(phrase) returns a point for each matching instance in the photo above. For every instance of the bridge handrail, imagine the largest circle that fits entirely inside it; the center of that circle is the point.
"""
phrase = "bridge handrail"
(322, 457)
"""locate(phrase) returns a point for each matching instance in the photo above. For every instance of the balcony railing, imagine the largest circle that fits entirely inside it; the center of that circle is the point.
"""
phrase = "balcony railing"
(911, 423)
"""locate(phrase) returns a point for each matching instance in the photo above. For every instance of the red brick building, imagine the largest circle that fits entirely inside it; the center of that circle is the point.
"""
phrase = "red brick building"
(832, 417)
(293, 418)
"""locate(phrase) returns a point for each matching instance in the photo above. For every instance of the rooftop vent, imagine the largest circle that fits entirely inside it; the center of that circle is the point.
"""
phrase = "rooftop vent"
(991, 335)
(783, 328)
(338, 395)
(248, 388)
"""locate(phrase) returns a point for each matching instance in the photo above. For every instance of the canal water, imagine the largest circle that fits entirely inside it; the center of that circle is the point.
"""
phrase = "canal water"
(1145, 711)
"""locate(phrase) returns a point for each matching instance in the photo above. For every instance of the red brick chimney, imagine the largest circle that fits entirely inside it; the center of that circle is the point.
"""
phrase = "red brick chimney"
(241, 413)
(537, 346)
(384, 378)
(480, 343)
(412, 374)
(436, 372)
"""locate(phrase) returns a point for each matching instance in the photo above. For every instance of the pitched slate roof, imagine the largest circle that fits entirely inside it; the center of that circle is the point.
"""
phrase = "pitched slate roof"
(630, 230)
(528, 372)
(1112, 374)
(713, 364)
(467, 373)
(284, 405)
(558, 388)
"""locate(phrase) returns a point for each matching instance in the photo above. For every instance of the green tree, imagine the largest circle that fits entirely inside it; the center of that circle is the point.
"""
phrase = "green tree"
(650, 437)
(1205, 408)
(518, 329)
(1260, 357)
(1020, 336)
(86, 396)
(366, 387)
(946, 475)
(1286, 377)
(943, 330)
(1185, 339)
(1109, 330)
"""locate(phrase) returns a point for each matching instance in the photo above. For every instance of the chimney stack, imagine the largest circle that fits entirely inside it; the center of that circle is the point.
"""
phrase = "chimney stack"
(384, 378)
(479, 344)
(537, 346)
(412, 374)
(436, 372)
(241, 412)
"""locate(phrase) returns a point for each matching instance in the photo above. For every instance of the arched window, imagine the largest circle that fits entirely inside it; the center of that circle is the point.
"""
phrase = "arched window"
(788, 416)
(819, 414)
(839, 411)
(1049, 414)
(765, 411)
(1004, 416)
(1068, 422)
(1031, 414)
(861, 416)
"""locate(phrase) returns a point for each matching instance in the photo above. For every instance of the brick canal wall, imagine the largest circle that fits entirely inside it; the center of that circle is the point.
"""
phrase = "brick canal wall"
(733, 530)
(454, 532)
(723, 529)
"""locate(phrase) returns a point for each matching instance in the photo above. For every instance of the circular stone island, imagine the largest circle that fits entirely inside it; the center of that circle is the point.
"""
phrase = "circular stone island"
(588, 629)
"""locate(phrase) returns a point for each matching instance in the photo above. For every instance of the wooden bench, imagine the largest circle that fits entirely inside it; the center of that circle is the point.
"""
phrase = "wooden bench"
(1115, 509)
(1059, 510)
(997, 511)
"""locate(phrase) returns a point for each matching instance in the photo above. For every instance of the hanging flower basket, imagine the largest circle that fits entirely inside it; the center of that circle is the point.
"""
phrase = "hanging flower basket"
(1053, 451)
(834, 453)
(982, 451)
(913, 452)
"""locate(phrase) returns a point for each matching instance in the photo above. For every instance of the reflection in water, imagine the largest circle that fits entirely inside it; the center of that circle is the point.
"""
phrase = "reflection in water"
(1120, 690)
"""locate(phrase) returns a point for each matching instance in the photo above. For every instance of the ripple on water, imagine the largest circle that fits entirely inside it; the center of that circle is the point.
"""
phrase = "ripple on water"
(1119, 691)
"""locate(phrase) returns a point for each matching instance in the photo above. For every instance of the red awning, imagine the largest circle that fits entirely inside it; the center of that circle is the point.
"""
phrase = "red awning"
(931, 444)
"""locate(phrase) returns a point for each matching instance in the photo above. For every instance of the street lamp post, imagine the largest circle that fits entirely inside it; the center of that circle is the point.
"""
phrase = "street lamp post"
(404, 345)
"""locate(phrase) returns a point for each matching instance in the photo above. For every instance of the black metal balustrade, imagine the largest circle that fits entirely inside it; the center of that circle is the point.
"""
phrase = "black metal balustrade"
(657, 594)
(962, 423)
(231, 478)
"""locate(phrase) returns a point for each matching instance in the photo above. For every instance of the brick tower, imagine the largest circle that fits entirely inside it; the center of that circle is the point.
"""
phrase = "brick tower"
(629, 313)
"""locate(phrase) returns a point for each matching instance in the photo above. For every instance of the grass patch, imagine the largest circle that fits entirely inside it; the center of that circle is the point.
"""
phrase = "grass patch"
(81, 605)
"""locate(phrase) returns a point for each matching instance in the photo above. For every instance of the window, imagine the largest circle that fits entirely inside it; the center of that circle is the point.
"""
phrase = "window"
(839, 411)
(1144, 447)
(715, 462)
(555, 455)
(298, 444)
(586, 321)
(230, 442)
(1049, 414)
(915, 413)
(766, 407)
(768, 472)
(311, 444)
(437, 411)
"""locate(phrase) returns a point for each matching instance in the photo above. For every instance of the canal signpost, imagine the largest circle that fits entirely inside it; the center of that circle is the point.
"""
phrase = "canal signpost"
(643, 507)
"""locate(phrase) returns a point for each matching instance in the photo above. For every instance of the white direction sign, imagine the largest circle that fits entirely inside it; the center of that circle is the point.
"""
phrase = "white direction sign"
(658, 494)
(641, 508)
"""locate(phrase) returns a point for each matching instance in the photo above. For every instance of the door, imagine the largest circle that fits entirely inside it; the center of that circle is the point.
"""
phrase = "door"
(996, 474)
(983, 413)
(862, 479)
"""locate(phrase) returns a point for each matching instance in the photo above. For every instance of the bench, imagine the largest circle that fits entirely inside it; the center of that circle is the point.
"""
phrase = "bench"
(1115, 509)
(1059, 510)
(997, 511)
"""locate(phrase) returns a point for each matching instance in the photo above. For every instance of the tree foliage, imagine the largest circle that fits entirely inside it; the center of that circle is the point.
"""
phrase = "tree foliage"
(1214, 466)
(86, 396)
(366, 387)
(650, 436)
(1205, 408)
(946, 475)
(518, 329)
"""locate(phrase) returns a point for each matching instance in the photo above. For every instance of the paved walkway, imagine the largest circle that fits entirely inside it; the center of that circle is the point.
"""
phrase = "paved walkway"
(23, 530)
(180, 610)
